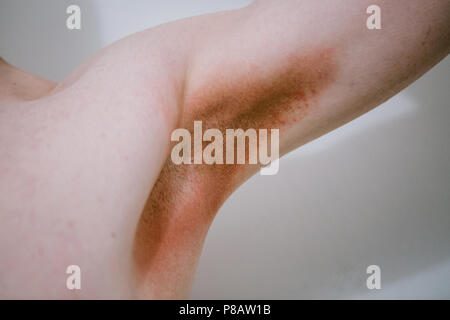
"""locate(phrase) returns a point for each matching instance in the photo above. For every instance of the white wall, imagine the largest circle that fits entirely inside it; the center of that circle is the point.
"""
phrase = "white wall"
(376, 191)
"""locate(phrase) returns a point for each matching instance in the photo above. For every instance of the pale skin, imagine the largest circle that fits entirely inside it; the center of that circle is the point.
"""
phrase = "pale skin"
(79, 160)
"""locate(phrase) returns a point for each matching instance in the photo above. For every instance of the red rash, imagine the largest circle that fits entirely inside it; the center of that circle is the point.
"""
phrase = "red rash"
(257, 101)
(185, 198)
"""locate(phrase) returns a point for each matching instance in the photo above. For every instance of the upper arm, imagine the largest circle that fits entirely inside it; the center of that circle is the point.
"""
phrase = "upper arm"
(306, 67)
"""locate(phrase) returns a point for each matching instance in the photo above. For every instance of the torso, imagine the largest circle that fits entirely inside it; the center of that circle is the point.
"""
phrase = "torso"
(77, 161)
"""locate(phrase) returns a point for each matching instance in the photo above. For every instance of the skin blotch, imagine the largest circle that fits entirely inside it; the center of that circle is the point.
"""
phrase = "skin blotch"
(253, 100)
(185, 198)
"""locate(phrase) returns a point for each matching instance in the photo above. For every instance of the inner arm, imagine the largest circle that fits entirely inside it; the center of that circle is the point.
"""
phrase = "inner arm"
(303, 67)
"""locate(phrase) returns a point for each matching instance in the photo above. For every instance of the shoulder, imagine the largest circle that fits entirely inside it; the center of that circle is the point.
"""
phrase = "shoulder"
(18, 85)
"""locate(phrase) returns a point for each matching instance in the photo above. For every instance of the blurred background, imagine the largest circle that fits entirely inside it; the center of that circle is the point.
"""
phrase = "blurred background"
(374, 192)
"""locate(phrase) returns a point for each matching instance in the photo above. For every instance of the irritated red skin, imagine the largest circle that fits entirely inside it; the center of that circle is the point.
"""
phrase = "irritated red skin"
(186, 198)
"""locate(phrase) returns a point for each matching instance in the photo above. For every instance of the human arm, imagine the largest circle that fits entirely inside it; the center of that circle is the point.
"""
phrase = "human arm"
(250, 64)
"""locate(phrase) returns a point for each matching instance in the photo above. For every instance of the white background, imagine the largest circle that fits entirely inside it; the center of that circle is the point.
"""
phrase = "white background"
(376, 191)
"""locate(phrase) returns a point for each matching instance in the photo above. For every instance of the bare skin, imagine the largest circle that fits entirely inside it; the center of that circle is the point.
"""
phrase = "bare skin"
(78, 160)
(303, 85)
(17, 85)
